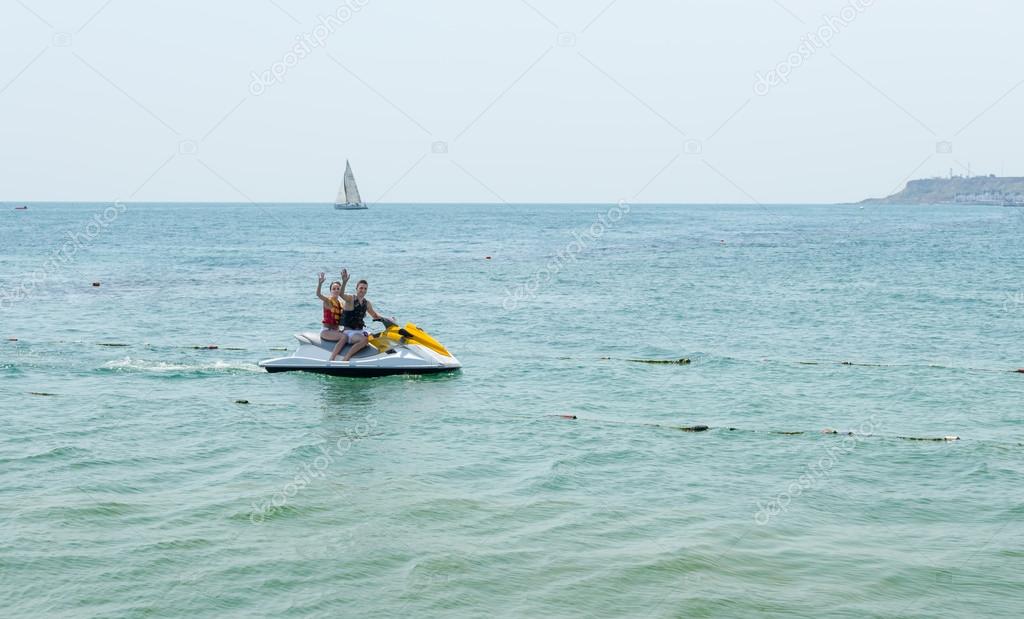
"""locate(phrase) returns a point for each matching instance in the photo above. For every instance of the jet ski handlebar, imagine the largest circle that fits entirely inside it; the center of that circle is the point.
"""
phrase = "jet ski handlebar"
(391, 323)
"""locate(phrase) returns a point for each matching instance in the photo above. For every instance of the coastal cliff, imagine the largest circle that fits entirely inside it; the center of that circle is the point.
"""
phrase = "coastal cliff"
(959, 190)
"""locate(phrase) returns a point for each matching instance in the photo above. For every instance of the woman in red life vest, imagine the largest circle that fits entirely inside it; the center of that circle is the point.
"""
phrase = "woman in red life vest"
(334, 307)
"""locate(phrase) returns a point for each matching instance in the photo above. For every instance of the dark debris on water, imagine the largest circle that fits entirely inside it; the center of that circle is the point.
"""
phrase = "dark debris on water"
(705, 428)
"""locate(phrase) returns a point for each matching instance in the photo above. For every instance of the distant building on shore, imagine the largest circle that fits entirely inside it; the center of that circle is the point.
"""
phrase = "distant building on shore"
(966, 190)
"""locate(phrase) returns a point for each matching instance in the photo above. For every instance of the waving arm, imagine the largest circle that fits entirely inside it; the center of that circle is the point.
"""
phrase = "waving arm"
(320, 287)
(344, 283)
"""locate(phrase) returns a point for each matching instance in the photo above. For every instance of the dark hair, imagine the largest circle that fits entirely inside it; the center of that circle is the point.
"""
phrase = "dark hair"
(332, 284)
(363, 281)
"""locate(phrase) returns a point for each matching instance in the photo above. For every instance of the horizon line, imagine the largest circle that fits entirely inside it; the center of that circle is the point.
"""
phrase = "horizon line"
(431, 203)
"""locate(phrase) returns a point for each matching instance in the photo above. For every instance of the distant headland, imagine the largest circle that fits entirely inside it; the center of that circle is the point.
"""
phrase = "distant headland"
(967, 190)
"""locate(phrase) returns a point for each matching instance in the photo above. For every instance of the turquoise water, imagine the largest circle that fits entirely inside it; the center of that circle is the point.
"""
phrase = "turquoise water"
(140, 487)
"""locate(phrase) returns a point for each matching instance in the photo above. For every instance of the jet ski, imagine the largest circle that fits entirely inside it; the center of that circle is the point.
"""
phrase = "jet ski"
(395, 350)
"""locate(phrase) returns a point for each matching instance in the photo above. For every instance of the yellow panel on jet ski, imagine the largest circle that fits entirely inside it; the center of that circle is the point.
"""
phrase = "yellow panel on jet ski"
(415, 336)
(382, 341)
(420, 336)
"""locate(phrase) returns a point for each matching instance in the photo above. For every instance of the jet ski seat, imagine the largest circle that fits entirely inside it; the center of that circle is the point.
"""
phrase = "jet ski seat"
(312, 338)
(309, 338)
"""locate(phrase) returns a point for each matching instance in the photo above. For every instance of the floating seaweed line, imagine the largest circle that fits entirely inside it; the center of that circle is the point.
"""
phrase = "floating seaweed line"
(125, 345)
(864, 364)
(706, 428)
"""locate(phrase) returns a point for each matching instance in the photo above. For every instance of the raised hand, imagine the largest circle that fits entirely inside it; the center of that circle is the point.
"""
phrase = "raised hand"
(323, 276)
(344, 275)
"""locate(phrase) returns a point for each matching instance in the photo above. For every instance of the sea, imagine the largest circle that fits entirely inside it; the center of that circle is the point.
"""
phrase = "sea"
(663, 411)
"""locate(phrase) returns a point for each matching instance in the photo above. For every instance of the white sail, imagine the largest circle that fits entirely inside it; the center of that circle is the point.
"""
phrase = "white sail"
(341, 194)
(351, 191)
(348, 194)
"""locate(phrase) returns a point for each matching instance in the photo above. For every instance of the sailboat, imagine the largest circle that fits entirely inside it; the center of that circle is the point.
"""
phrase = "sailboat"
(348, 194)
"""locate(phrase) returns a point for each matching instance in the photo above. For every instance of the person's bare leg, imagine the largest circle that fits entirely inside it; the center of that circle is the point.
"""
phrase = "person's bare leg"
(330, 335)
(337, 347)
(358, 345)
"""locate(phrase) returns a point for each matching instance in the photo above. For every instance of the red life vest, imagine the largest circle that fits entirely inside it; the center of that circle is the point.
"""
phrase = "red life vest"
(332, 315)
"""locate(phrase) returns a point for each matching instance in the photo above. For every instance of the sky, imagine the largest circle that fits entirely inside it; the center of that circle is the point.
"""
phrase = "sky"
(505, 101)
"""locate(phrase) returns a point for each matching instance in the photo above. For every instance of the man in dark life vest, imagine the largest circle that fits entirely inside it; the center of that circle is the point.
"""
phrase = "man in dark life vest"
(353, 328)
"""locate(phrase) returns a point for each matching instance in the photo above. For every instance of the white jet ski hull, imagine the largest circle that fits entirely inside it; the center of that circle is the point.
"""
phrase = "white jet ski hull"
(313, 355)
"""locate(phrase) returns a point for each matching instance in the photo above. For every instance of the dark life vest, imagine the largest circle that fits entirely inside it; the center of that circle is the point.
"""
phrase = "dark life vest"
(353, 318)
